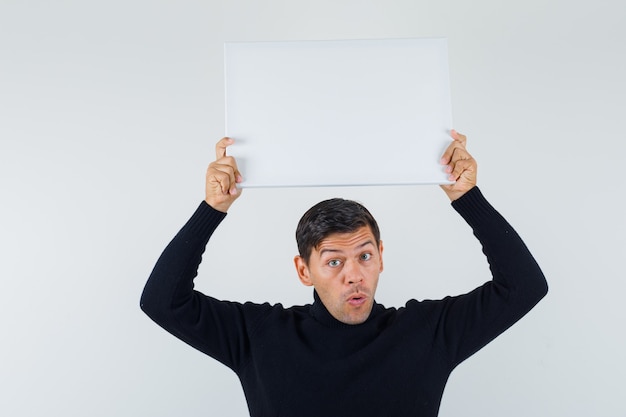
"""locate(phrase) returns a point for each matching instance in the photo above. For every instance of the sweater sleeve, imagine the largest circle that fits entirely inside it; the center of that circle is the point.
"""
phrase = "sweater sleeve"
(217, 328)
(466, 323)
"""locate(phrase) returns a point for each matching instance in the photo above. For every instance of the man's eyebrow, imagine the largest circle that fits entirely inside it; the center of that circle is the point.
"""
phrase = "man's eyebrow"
(330, 250)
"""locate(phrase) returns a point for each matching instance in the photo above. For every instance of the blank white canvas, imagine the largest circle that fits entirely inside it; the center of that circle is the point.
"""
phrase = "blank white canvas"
(330, 113)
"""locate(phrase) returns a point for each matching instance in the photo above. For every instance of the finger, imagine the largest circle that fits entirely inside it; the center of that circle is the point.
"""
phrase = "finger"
(458, 141)
(462, 167)
(458, 137)
(458, 154)
(232, 162)
(220, 147)
(452, 152)
(237, 173)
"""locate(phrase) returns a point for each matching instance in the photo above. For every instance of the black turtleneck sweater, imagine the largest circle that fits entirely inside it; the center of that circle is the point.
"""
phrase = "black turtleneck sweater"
(300, 361)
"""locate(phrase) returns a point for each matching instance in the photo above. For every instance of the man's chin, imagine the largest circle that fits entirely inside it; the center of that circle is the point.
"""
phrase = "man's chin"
(358, 317)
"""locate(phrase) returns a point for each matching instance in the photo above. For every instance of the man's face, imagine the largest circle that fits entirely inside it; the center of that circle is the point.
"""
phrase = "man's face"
(344, 270)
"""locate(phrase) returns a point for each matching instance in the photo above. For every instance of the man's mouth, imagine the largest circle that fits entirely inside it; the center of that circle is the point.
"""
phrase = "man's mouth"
(357, 300)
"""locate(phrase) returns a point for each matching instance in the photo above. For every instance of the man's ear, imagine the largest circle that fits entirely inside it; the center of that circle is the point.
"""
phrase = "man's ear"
(303, 271)
(380, 251)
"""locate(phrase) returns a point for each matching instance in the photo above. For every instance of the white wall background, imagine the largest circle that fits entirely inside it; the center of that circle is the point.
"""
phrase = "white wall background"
(108, 116)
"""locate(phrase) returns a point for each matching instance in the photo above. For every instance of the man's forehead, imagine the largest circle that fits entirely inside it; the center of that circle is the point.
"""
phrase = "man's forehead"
(347, 240)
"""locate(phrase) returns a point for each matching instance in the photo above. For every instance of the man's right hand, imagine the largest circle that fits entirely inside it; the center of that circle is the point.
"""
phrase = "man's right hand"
(222, 178)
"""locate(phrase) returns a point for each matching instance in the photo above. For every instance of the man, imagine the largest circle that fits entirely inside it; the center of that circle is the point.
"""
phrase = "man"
(343, 355)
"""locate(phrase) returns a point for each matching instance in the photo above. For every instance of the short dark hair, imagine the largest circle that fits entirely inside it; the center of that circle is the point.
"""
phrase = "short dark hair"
(332, 216)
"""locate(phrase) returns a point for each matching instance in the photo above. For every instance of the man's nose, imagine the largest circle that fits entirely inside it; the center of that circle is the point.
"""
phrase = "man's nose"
(353, 273)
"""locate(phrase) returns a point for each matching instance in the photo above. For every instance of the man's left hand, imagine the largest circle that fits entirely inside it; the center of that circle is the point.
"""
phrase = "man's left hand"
(460, 166)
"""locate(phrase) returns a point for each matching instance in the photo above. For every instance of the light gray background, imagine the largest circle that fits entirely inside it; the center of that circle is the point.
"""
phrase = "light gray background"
(108, 116)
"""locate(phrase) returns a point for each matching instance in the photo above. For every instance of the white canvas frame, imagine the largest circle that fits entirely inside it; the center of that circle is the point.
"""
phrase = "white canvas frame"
(331, 113)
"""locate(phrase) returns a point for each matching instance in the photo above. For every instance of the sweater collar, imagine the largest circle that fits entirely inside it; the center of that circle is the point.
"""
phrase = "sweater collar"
(322, 315)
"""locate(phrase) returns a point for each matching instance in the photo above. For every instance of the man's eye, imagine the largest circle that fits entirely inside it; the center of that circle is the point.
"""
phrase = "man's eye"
(366, 256)
(334, 263)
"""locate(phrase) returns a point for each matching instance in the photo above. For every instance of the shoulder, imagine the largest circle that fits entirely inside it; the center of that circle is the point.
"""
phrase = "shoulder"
(275, 312)
(425, 311)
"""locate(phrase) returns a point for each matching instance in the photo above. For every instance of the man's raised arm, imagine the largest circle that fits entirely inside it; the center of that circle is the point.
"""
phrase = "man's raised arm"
(466, 323)
(169, 297)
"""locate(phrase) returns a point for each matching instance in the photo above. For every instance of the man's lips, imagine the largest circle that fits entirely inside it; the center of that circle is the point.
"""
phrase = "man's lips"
(357, 299)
